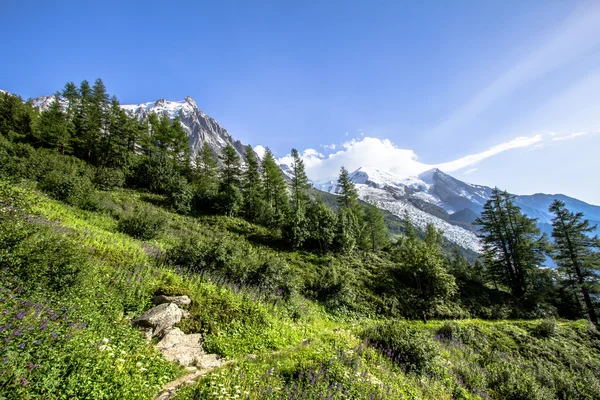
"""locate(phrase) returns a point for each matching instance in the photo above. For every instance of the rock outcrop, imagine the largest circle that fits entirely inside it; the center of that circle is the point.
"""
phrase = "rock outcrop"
(159, 319)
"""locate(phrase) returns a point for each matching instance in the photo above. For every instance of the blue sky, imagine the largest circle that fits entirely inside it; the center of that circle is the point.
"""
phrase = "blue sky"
(500, 93)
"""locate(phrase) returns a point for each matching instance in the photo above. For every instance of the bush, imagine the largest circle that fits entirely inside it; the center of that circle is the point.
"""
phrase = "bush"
(545, 328)
(275, 278)
(38, 256)
(109, 178)
(412, 348)
(181, 194)
(142, 223)
(334, 286)
(449, 330)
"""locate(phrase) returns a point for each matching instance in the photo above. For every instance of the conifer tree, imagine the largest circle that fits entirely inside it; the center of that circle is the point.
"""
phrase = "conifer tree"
(512, 245)
(53, 129)
(83, 130)
(377, 231)
(275, 191)
(421, 266)
(322, 223)
(297, 226)
(300, 183)
(179, 144)
(229, 187)
(348, 194)
(15, 117)
(206, 176)
(253, 188)
(346, 231)
(576, 254)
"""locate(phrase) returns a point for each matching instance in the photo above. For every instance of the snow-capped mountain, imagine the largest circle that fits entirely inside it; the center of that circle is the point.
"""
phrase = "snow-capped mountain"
(199, 126)
(448, 203)
(412, 196)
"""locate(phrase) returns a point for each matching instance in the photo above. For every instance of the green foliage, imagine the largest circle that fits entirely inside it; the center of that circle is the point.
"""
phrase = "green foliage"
(275, 191)
(141, 223)
(230, 196)
(181, 195)
(512, 245)
(377, 234)
(109, 178)
(421, 268)
(576, 254)
(227, 259)
(546, 328)
(333, 285)
(412, 348)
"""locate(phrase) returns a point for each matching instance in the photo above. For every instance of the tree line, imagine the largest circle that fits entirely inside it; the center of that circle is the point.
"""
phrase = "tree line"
(85, 124)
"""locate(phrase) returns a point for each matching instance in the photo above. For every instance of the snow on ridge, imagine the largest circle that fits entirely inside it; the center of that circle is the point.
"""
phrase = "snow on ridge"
(419, 218)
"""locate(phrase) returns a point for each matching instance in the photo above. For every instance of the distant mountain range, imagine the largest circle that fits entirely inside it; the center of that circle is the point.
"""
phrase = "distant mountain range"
(431, 197)
(450, 204)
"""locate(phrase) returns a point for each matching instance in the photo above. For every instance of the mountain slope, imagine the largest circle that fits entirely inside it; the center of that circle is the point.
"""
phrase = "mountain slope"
(448, 203)
(200, 127)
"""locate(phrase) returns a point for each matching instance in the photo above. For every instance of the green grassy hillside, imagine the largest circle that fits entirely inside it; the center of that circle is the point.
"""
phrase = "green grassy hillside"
(291, 323)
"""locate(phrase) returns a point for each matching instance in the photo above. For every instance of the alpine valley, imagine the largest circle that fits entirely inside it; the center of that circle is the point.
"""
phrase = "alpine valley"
(435, 197)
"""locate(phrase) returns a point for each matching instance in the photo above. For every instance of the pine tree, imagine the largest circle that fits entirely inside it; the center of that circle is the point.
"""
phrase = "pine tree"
(179, 144)
(53, 128)
(322, 223)
(83, 128)
(98, 117)
(206, 176)
(512, 245)
(229, 187)
(576, 253)
(348, 194)
(15, 117)
(297, 230)
(421, 266)
(377, 231)
(346, 231)
(300, 183)
(253, 188)
(275, 191)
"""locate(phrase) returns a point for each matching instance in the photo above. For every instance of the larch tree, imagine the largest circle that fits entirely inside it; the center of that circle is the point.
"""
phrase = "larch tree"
(275, 191)
(576, 254)
(512, 245)
(229, 186)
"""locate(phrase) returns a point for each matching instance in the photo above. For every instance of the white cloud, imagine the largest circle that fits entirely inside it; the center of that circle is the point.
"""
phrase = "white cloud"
(331, 146)
(383, 154)
(574, 135)
(469, 171)
(463, 162)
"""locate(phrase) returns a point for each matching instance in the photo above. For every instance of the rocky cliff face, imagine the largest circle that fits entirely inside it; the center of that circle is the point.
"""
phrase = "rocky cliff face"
(200, 127)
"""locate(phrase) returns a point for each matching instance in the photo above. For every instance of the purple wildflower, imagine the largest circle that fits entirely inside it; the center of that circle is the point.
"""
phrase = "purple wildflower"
(54, 335)
(22, 346)
(37, 342)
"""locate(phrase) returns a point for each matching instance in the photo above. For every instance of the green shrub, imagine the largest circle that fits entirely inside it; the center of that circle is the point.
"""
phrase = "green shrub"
(181, 194)
(410, 347)
(333, 286)
(141, 223)
(449, 330)
(546, 328)
(38, 256)
(109, 178)
(275, 278)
